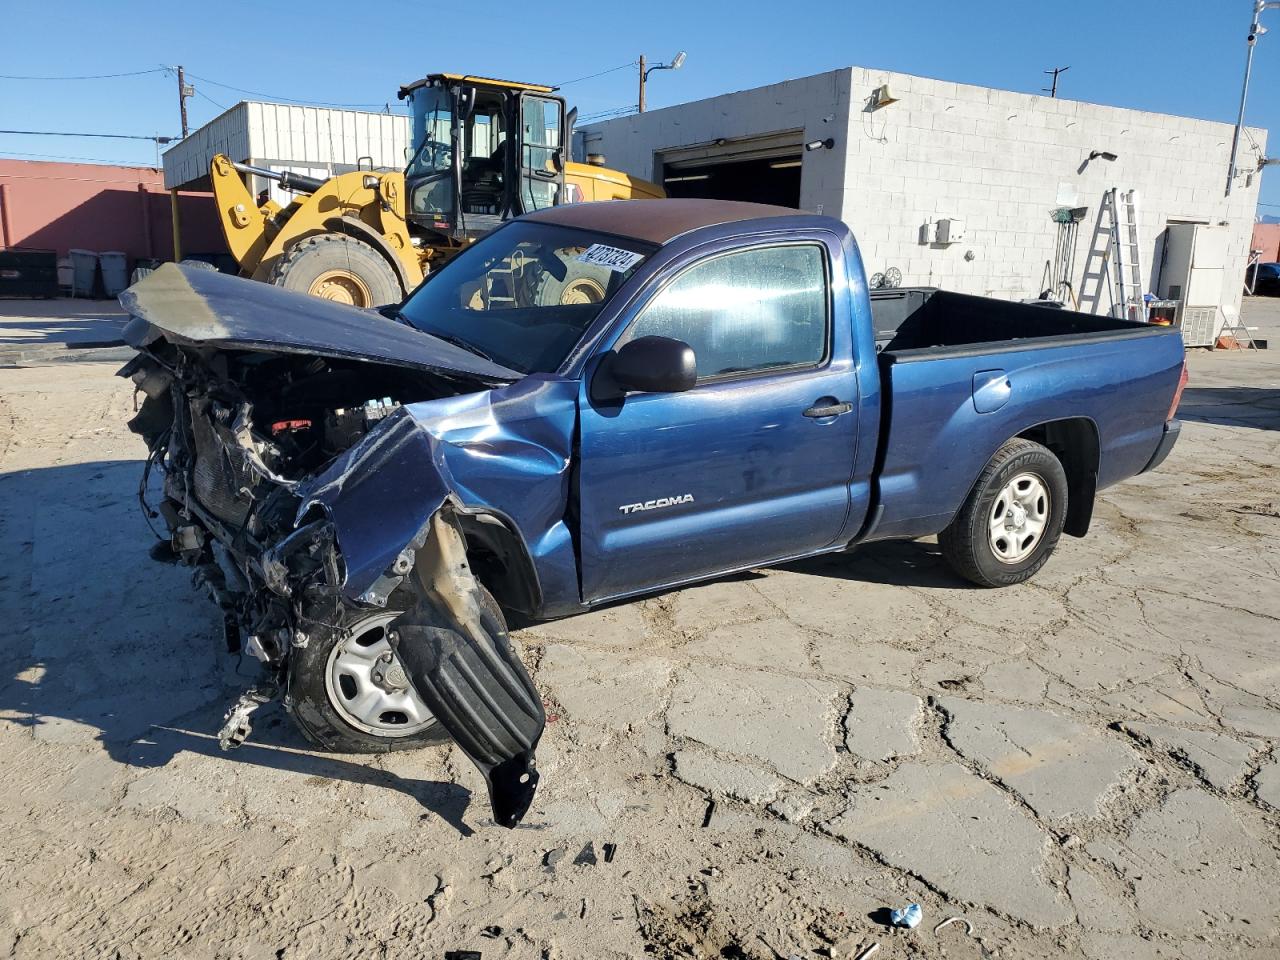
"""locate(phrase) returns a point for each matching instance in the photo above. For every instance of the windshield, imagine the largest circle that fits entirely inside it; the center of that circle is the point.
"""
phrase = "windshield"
(432, 150)
(524, 295)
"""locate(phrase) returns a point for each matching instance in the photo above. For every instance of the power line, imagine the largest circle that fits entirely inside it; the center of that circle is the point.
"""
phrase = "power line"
(62, 156)
(108, 136)
(269, 96)
(592, 76)
(94, 76)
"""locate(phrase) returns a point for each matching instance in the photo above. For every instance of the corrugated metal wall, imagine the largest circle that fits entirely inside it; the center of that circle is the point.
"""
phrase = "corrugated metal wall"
(284, 136)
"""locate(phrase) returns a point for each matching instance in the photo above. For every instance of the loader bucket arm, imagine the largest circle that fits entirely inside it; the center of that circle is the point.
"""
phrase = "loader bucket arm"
(244, 226)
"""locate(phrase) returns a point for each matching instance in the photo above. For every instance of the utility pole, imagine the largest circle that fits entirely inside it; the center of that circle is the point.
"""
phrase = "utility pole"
(1053, 88)
(184, 91)
(1255, 30)
(676, 63)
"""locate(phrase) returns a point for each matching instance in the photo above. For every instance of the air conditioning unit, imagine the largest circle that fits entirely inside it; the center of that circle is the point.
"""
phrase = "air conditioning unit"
(950, 230)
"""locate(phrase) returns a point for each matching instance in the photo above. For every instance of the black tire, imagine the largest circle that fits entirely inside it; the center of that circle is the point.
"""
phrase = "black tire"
(581, 284)
(337, 267)
(311, 703)
(967, 544)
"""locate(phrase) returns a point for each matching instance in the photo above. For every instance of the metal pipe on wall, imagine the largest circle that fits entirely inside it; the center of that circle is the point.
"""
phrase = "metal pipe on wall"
(177, 225)
(146, 220)
(6, 231)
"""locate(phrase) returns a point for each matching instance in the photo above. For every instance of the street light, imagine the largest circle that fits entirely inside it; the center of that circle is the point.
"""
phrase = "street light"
(676, 63)
(1255, 30)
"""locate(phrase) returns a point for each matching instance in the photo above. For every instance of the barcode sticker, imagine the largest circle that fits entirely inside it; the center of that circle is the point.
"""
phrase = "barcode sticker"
(612, 258)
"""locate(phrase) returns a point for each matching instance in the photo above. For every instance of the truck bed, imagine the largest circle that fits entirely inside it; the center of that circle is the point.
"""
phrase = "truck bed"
(922, 323)
(936, 350)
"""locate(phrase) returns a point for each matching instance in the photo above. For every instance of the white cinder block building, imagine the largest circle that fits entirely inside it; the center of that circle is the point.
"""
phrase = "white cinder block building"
(955, 185)
(315, 141)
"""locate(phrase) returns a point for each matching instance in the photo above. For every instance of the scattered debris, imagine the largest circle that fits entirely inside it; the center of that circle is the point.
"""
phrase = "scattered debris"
(711, 812)
(552, 857)
(491, 932)
(957, 684)
(587, 856)
(868, 952)
(909, 916)
(968, 927)
(609, 850)
(462, 955)
(236, 729)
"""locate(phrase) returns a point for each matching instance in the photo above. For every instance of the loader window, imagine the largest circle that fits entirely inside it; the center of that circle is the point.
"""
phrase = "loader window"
(540, 124)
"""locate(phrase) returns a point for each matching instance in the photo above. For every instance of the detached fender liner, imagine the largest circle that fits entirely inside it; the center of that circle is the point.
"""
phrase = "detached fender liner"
(456, 653)
(485, 699)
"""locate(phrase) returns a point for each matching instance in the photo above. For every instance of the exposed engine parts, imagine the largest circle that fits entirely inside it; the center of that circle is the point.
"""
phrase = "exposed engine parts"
(238, 439)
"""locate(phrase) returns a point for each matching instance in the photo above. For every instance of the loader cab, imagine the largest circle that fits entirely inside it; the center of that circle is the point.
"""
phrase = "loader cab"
(482, 151)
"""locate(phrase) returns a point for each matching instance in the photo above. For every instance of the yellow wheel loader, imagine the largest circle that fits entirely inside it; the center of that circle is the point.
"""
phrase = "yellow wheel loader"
(483, 151)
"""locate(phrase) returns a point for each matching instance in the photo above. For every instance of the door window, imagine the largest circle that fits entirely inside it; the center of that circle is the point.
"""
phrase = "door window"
(540, 139)
(745, 312)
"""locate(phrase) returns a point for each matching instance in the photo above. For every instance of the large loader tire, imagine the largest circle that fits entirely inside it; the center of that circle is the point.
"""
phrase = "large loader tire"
(581, 284)
(337, 267)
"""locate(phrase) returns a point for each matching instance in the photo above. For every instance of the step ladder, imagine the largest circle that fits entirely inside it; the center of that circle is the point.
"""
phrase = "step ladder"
(1114, 263)
(1234, 329)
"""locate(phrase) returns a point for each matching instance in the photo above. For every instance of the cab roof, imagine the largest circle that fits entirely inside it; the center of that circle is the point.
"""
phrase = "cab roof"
(657, 221)
(473, 81)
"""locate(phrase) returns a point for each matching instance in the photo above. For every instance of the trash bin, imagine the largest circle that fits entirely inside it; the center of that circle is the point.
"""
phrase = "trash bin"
(84, 273)
(115, 272)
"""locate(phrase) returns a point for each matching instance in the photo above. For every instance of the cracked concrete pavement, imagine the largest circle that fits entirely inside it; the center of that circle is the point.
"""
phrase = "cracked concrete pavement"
(1084, 766)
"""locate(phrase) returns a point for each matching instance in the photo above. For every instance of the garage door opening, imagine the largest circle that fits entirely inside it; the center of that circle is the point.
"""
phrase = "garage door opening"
(773, 180)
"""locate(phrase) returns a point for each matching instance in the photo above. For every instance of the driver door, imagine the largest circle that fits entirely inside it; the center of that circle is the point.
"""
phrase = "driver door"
(541, 170)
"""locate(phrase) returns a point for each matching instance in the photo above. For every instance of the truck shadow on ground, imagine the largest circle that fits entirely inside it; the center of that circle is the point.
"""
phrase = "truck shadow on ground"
(898, 563)
(103, 644)
(1256, 407)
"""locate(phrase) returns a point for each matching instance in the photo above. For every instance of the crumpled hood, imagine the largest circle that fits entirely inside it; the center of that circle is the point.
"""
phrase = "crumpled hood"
(188, 305)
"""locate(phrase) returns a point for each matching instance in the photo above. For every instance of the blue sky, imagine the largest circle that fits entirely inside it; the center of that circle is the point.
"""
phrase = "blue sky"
(1173, 56)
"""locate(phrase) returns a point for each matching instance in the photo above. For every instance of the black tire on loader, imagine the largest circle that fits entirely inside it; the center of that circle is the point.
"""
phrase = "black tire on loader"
(336, 267)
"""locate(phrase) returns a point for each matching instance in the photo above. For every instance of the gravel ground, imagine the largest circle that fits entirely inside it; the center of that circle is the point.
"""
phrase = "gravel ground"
(1084, 766)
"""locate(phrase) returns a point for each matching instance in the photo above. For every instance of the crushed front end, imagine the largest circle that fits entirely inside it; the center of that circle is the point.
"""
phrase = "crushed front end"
(249, 440)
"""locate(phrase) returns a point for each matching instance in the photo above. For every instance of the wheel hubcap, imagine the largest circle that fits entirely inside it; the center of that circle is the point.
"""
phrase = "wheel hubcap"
(341, 286)
(368, 687)
(1018, 518)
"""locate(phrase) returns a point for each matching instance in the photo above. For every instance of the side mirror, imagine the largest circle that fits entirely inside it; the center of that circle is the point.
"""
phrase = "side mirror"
(371, 182)
(654, 365)
(557, 161)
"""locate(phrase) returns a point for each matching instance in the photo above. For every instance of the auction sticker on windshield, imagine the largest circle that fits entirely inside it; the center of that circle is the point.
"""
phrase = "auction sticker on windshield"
(614, 258)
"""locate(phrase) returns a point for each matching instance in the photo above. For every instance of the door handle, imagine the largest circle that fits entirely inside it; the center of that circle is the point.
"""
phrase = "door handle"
(827, 407)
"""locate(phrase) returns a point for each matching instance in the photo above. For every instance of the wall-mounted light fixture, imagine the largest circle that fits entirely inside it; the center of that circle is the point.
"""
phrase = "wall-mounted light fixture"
(1102, 155)
(826, 144)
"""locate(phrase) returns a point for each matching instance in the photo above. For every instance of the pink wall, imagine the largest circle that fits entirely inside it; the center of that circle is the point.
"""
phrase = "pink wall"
(98, 207)
(1266, 237)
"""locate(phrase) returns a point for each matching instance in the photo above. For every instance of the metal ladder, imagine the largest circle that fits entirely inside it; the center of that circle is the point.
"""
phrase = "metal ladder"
(1233, 327)
(1115, 258)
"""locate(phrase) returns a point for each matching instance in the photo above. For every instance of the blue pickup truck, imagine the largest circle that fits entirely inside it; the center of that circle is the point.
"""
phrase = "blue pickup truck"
(596, 402)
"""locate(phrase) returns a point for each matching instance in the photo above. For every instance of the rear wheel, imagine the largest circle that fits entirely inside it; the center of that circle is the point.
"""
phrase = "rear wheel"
(349, 693)
(336, 267)
(1012, 519)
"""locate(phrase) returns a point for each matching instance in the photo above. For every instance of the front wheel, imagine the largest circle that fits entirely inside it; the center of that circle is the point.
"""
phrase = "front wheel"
(349, 693)
(1011, 520)
(333, 266)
